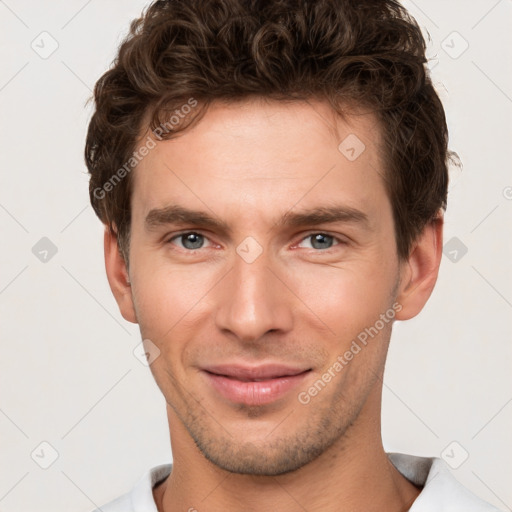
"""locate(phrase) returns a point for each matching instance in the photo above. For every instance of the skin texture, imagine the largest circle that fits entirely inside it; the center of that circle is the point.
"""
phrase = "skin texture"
(247, 164)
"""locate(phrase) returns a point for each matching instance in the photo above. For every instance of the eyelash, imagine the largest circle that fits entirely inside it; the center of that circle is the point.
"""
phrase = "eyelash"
(339, 241)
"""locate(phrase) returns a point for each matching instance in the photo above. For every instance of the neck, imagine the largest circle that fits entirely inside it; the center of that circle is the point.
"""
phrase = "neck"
(353, 474)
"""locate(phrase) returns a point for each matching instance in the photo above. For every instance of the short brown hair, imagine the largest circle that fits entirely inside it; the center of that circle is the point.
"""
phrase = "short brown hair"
(368, 53)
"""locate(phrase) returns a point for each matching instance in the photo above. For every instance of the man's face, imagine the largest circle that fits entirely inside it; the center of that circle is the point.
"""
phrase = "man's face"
(251, 312)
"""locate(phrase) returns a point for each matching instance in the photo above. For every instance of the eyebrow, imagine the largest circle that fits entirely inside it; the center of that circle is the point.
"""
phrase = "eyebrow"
(175, 214)
(323, 215)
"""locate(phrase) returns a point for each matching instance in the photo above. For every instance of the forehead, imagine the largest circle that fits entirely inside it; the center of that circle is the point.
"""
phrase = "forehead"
(264, 155)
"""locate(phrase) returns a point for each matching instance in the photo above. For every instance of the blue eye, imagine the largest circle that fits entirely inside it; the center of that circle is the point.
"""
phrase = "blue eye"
(190, 240)
(321, 241)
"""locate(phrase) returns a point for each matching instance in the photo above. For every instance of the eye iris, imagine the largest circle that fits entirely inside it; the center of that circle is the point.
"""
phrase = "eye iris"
(192, 240)
(195, 241)
(321, 241)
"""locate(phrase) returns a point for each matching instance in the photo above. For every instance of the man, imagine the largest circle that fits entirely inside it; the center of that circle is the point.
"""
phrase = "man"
(272, 177)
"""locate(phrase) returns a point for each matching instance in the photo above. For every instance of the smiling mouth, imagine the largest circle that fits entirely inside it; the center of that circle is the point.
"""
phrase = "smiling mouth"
(254, 385)
(250, 380)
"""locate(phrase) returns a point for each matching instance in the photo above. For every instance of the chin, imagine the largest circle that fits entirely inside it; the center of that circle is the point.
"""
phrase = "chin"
(251, 460)
(265, 457)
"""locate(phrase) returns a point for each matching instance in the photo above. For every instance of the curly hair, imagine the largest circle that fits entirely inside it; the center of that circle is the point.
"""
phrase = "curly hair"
(345, 52)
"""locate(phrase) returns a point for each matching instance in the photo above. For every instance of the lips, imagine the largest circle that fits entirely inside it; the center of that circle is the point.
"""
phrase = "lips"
(254, 385)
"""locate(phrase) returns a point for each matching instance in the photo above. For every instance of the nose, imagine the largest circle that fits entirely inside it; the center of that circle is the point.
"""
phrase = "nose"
(254, 300)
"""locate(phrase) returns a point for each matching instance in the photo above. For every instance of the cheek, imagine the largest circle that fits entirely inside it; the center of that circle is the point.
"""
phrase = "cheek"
(168, 299)
(346, 299)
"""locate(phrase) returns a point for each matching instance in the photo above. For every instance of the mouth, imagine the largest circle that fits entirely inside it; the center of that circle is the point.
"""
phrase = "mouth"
(256, 385)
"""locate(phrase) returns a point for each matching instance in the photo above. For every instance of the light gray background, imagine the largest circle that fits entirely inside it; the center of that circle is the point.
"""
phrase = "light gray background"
(68, 375)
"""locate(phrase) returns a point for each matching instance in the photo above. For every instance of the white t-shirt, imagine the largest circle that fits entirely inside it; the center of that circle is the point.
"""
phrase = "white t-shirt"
(441, 492)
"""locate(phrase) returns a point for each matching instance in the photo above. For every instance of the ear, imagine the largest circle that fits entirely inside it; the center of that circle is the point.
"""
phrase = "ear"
(118, 277)
(419, 272)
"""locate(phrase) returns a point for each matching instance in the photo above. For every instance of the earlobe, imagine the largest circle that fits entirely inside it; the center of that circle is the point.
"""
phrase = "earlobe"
(117, 275)
(419, 272)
